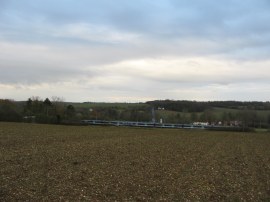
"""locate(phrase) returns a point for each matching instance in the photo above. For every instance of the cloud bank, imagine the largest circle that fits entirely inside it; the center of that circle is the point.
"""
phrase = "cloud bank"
(129, 51)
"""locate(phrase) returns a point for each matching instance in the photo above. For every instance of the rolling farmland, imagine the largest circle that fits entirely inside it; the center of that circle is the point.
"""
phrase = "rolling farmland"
(92, 163)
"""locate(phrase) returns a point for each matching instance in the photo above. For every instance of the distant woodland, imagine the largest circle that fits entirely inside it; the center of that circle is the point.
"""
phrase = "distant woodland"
(56, 111)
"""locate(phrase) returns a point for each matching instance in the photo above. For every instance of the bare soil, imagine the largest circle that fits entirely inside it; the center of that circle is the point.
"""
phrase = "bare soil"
(84, 163)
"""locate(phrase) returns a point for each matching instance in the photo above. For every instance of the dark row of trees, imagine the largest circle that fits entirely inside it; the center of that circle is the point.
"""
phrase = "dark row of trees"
(55, 111)
(37, 110)
(48, 111)
(248, 114)
(9, 111)
(194, 106)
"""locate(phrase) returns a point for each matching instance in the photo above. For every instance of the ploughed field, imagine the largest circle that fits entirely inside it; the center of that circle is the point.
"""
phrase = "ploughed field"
(91, 163)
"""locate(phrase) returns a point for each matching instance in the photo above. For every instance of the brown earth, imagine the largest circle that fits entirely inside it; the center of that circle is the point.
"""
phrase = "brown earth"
(83, 163)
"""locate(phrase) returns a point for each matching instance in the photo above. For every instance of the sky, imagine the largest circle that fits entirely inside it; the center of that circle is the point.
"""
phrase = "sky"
(135, 51)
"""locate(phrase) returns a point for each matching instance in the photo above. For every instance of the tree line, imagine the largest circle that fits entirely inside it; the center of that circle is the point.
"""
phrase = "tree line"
(56, 111)
(36, 110)
(195, 106)
(48, 111)
(248, 114)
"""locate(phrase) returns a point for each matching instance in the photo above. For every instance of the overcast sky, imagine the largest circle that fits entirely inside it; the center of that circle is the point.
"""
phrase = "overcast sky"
(132, 51)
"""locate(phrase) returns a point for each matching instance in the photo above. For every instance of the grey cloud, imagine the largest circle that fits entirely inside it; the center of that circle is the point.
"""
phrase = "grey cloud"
(209, 19)
(82, 37)
(30, 74)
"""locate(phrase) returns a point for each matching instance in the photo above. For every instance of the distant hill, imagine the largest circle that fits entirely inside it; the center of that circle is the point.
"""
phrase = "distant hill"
(254, 114)
(197, 106)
